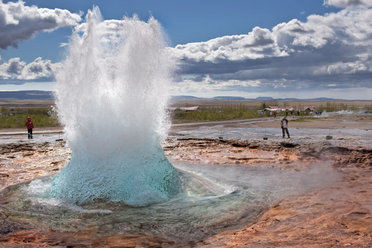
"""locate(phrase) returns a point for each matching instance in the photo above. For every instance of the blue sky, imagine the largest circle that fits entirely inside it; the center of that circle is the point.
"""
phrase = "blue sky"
(330, 45)
(183, 21)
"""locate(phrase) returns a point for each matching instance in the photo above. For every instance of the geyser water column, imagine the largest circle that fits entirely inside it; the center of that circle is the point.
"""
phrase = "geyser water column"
(112, 93)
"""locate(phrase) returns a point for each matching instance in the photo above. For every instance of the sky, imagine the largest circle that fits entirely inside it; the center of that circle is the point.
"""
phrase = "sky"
(255, 48)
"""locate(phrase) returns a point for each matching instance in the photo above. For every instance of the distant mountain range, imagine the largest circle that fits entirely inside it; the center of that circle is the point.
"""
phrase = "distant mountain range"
(229, 97)
(184, 97)
(267, 98)
(27, 95)
(49, 95)
(261, 98)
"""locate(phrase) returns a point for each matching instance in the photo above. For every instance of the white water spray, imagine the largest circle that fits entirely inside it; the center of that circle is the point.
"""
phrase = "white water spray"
(112, 92)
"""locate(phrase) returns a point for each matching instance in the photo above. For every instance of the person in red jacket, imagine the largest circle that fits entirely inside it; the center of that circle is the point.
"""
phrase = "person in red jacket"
(29, 126)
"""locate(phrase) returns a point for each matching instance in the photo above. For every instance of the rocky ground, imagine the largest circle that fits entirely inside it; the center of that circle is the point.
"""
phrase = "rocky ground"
(336, 216)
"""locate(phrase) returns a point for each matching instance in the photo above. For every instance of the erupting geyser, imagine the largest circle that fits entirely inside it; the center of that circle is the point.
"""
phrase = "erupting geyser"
(112, 92)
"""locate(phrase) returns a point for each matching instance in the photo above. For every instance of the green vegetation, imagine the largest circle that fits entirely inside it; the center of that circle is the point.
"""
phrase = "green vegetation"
(215, 113)
(333, 107)
(16, 117)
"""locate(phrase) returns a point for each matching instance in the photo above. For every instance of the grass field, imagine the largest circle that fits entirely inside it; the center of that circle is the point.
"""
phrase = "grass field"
(215, 113)
(16, 117)
(13, 114)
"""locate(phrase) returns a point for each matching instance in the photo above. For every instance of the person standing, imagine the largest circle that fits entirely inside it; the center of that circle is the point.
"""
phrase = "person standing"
(29, 126)
(284, 124)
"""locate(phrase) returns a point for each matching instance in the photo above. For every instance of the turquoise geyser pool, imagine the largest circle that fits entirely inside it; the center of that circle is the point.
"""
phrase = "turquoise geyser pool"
(213, 198)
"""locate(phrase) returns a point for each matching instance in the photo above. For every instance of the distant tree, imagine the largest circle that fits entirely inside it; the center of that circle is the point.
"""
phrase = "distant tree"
(263, 105)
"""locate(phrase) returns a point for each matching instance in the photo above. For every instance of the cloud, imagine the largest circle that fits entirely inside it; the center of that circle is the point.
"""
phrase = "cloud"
(39, 69)
(257, 44)
(330, 53)
(208, 84)
(19, 22)
(333, 49)
(348, 3)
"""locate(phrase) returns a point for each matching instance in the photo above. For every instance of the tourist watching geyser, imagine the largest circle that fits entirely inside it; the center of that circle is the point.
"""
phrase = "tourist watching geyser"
(29, 126)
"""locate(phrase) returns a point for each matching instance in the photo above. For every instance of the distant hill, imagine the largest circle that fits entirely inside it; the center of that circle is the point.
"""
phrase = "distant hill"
(260, 98)
(184, 97)
(325, 99)
(229, 97)
(265, 98)
(48, 95)
(27, 95)
(268, 98)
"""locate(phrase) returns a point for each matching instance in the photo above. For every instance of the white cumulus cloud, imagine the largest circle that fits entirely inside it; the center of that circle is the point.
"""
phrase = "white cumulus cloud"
(19, 22)
(332, 49)
(15, 69)
(348, 3)
(259, 43)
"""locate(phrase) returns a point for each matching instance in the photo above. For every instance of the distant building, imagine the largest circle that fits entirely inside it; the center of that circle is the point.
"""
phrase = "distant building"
(273, 109)
(309, 108)
(289, 108)
(193, 108)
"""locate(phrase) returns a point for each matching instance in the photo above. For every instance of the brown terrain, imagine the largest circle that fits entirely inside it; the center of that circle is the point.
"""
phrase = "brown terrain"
(336, 216)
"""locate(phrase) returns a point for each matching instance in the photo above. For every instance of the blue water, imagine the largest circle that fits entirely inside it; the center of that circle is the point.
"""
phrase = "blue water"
(134, 178)
(213, 198)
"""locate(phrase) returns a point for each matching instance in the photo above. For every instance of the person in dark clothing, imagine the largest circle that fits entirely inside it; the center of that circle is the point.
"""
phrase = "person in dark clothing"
(284, 124)
(29, 126)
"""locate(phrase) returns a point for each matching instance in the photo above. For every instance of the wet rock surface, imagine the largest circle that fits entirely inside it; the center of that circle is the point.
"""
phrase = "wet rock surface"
(338, 216)
(26, 161)
(49, 238)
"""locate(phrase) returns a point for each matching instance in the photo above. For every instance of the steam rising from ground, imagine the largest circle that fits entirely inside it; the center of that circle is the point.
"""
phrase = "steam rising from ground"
(111, 96)
(214, 198)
